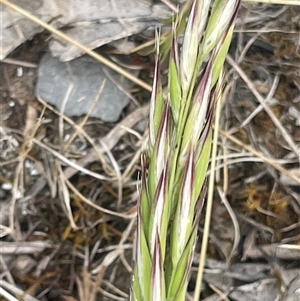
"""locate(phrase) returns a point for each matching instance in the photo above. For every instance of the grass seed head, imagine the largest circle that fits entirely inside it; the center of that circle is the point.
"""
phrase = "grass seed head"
(180, 137)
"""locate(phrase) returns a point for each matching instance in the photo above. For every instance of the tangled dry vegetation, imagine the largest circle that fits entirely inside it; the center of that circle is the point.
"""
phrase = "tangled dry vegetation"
(68, 186)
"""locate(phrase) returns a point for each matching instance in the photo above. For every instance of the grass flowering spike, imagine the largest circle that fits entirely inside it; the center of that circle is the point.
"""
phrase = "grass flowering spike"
(156, 104)
(184, 215)
(174, 82)
(157, 279)
(161, 146)
(176, 160)
(159, 208)
(189, 50)
(200, 105)
(223, 11)
(144, 202)
(221, 51)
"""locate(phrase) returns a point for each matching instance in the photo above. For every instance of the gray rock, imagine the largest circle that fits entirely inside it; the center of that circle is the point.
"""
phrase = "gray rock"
(293, 293)
(91, 22)
(85, 75)
(247, 272)
(263, 290)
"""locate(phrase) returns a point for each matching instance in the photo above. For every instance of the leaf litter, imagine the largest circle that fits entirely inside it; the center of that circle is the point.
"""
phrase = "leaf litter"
(67, 234)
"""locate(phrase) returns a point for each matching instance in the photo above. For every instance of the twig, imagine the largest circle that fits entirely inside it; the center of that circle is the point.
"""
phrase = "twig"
(222, 295)
(7, 295)
(24, 247)
(19, 63)
(16, 291)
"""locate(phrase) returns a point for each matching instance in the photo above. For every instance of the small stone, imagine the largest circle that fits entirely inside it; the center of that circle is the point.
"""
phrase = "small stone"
(85, 75)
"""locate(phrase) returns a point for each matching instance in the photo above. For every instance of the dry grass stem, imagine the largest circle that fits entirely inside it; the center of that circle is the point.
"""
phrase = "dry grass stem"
(90, 203)
(16, 291)
(69, 162)
(237, 232)
(265, 159)
(261, 100)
